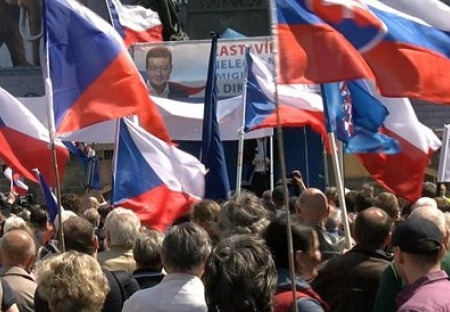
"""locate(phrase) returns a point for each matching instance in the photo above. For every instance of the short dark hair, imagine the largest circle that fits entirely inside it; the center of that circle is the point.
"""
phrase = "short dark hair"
(240, 275)
(38, 216)
(387, 202)
(78, 235)
(159, 52)
(276, 238)
(185, 247)
(372, 226)
(363, 200)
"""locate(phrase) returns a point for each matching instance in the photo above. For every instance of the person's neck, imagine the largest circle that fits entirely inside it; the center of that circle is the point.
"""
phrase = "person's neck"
(420, 271)
(159, 89)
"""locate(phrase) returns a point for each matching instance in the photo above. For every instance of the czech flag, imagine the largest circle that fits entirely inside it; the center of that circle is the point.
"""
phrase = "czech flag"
(402, 173)
(25, 142)
(157, 181)
(94, 78)
(311, 51)
(135, 23)
(298, 105)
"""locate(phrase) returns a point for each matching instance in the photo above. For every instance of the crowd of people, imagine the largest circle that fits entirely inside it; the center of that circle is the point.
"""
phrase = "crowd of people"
(231, 256)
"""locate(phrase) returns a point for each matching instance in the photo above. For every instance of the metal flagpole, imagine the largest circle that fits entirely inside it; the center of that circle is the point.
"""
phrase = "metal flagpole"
(272, 186)
(240, 161)
(337, 173)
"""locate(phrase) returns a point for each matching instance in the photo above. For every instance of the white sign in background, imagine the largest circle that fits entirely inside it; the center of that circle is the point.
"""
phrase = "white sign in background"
(190, 62)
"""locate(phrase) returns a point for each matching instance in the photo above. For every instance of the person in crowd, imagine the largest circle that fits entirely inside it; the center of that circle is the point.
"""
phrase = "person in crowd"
(39, 225)
(391, 283)
(79, 236)
(389, 203)
(307, 258)
(332, 196)
(121, 230)
(442, 204)
(419, 248)
(429, 189)
(14, 222)
(147, 254)
(334, 221)
(205, 213)
(184, 252)
(72, 202)
(349, 282)
(103, 210)
(52, 245)
(363, 200)
(159, 67)
(424, 202)
(243, 214)
(312, 208)
(18, 253)
(277, 196)
(240, 275)
(92, 215)
(72, 282)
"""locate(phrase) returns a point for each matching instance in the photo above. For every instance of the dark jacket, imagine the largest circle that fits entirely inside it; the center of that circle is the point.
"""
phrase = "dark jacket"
(147, 278)
(349, 282)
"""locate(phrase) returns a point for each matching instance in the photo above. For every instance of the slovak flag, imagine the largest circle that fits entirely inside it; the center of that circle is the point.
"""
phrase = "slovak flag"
(25, 142)
(94, 78)
(298, 106)
(135, 23)
(311, 51)
(413, 58)
(157, 181)
(17, 185)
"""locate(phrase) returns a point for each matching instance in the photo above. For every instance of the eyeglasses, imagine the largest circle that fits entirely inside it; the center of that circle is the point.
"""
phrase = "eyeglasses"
(162, 69)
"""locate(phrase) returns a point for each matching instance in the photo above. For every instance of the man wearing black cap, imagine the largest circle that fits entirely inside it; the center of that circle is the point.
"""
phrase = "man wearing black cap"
(418, 251)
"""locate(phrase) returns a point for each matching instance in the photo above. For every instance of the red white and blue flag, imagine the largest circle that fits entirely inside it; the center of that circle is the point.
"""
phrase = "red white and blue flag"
(51, 203)
(135, 23)
(312, 51)
(413, 58)
(402, 173)
(94, 78)
(298, 106)
(157, 181)
(17, 185)
(25, 142)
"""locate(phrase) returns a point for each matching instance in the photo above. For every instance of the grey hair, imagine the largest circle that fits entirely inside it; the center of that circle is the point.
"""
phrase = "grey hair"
(147, 250)
(432, 214)
(122, 227)
(185, 247)
(242, 217)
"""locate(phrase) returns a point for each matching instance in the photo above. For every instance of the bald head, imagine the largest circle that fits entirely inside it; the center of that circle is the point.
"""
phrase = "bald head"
(312, 206)
(17, 248)
(432, 214)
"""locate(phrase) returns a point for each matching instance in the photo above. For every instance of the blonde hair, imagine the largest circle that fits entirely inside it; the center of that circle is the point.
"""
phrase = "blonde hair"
(72, 282)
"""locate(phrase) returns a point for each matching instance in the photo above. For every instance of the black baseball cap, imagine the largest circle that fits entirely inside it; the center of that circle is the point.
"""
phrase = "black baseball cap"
(418, 236)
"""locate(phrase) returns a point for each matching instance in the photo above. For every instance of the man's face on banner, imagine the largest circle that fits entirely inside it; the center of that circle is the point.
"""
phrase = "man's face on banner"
(158, 71)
